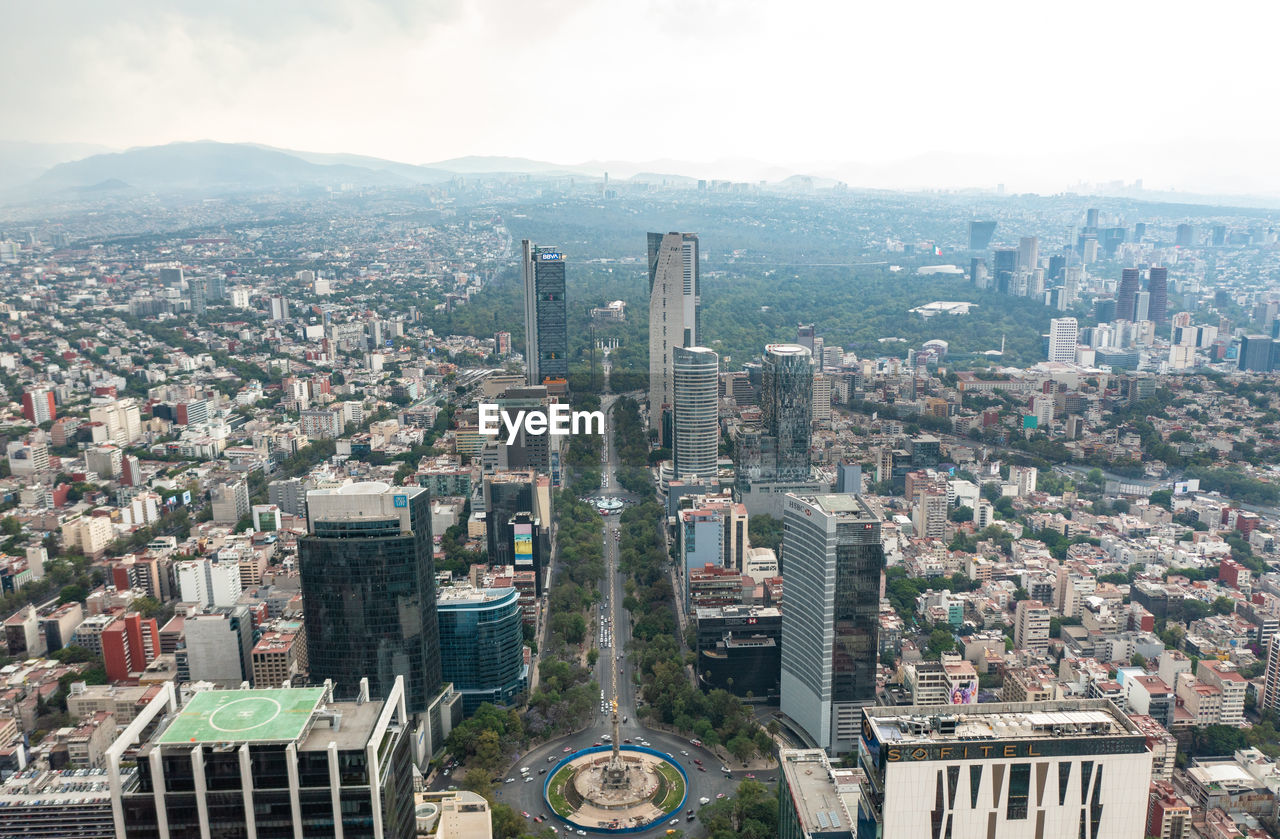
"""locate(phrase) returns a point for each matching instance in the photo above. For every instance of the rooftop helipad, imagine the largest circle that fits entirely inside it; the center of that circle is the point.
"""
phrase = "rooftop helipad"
(221, 716)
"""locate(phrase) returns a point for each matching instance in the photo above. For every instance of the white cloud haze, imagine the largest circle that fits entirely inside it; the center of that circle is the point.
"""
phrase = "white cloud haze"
(1179, 94)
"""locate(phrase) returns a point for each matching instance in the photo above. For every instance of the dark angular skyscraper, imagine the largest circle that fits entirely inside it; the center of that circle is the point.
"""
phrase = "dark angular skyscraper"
(368, 582)
(980, 233)
(1003, 267)
(546, 331)
(1158, 285)
(1130, 279)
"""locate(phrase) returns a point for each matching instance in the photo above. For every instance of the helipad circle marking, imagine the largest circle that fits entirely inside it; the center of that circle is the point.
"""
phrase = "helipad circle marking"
(252, 717)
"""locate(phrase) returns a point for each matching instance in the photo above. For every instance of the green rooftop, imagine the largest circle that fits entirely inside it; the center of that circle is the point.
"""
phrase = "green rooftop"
(222, 716)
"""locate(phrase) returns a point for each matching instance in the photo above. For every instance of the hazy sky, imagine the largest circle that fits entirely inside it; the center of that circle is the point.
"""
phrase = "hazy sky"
(801, 83)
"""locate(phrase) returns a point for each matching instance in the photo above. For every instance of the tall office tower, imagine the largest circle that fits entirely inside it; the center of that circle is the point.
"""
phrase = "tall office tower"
(1053, 770)
(1057, 264)
(832, 558)
(217, 288)
(1004, 265)
(482, 645)
(675, 316)
(1129, 281)
(546, 330)
(1063, 336)
(368, 580)
(1219, 235)
(1139, 231)
(505, 495)
(1070, 284)
(1028, 253)
(695, 439)
(279, 762)
(171, 277)
(38, 405)
(786, 405)
(1141, 306)
(197, 288)
(978, 272)
(279, 307)
(805, 334)
(1185, 236)
(1271, 680)
(1091, 218)
(1158, 286)
(980, 233)
(1255, 353)
(502, 343)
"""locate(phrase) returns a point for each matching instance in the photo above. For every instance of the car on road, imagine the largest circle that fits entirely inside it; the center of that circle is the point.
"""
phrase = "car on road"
(524, 813)
(695, 760)
(683, 752)
(528, 779)
(524, 770)
(702, 769)
(542, 771)
(674, 821)
(724, 769)
(551, 758)
(704, 800)
(719, 795)
(695, 742)
(751, 776)
(568, 749)
(509, 781)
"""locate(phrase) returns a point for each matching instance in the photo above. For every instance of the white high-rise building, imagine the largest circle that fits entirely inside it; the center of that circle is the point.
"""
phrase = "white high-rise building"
(695, 418)
(279, 307)
(674, 316)
(209, 583)
(1063, 334)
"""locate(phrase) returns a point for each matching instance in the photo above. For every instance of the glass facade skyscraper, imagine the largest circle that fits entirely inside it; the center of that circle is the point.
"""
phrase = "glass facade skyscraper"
(832, 559)
(368, 581)
(545, 320)
(786, 404)
(695, 411)
(675, 316)
(482, 645)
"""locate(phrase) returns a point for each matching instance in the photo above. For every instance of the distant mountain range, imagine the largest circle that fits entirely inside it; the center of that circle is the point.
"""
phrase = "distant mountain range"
(33, 171)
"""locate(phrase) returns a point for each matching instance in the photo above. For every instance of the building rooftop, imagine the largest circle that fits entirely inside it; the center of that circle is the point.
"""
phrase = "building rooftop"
(825, 799)
(1001, 720)
(469, 595)
(221, 716)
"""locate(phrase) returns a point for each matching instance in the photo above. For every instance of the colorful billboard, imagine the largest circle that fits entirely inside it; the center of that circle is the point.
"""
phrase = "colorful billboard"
(523, 543)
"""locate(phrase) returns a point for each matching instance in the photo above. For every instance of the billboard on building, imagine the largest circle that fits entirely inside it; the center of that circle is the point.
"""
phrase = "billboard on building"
(523, 544)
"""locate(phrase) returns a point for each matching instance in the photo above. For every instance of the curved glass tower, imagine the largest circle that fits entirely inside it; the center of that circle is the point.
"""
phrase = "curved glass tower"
(482, 644)
(695, 426)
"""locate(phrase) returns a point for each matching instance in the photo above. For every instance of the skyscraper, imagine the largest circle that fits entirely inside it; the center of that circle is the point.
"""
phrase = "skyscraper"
(368, 581)
(832, 559)
(1063, 335)
(1270, 699)
(1004, 266)
(482, 644)
(1255, 353)
(675, 300)
(1028, 253)
(1158, 285)
(787, 406)
(980, 233)
(695, 421)
(1129, 280)
(1185, 236)
(546, 331)
(196, 288)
